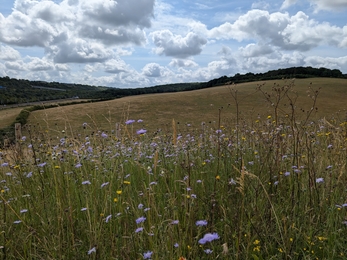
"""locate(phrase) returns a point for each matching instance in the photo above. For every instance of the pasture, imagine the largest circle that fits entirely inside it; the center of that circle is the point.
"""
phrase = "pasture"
(232, 172)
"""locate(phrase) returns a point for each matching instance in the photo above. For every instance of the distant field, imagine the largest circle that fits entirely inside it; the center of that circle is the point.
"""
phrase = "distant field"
(7, 116)
(195, 107)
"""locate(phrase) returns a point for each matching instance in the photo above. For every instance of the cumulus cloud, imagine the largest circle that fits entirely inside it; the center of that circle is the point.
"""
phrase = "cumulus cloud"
(8, 53)
(254, 50)
(81, 51)
(183, 63)
(62, 67)
(116, 66)
(50, 25)
(153, 70)
(296, 32)
(177, 46)
(37, 64)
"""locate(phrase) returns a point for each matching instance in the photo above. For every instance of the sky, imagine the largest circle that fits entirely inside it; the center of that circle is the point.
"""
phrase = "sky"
(141, 43)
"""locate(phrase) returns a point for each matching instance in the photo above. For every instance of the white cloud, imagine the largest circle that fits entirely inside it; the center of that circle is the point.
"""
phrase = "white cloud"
(81, 51)
(119, 13)
(183, 63)
(15, 65)
(37, 64)
(8, 53)
(287, 3)
(62, 67)
(177, 46)
(153, 70)
(116, 66)
(296, 32)
(254, 50)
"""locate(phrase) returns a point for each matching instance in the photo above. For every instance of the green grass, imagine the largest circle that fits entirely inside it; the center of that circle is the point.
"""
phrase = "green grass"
(254, 177)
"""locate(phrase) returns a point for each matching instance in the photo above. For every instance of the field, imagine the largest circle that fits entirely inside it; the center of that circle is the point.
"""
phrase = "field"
(234, 172)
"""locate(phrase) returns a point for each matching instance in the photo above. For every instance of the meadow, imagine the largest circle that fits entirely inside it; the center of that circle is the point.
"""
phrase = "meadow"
(249, 171)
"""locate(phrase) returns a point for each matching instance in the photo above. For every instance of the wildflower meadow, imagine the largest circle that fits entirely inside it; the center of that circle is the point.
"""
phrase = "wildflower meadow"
(271, 186)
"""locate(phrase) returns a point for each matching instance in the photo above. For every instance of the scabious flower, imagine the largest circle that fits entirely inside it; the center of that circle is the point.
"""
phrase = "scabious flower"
(108, 218)
(86, 182)
(23, 210)
(201, 223)
(129, 122)
(104, 184)
(42, 164)
(141, 131)
(140, 206)
(140, 229)
(93, 250)
(209, 237)
(319, 180)
(147, 255)
(103, 135)
(208, 251)
(78, 165)
(175, 222)
(140, 220)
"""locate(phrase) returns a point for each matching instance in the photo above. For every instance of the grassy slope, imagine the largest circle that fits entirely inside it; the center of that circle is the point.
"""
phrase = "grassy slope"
(193, 107)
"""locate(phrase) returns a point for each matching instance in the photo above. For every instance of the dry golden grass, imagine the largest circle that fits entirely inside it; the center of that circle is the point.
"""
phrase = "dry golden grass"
(8, 115)
(194, 107)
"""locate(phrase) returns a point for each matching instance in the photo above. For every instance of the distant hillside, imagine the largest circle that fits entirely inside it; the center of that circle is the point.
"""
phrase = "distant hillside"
(16, 91)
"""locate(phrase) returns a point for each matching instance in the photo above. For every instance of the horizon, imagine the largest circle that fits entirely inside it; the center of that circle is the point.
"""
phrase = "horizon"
(142, 43)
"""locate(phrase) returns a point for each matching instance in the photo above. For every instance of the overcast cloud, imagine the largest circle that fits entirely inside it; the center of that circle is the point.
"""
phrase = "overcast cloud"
(139, 43)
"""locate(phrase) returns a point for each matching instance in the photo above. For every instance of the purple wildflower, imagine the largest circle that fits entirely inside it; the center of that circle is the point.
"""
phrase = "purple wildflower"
(140, 220)
(147, 255)
(104, 184)
(141, 131)
(129, 122)
(93, 250)
(208, 251)
(138, 230)
(140, 206)
(209, 237)
(201, 223)
(4, 164)
(176, 245)
(78, 165)
(42, 164)
(103, 135)
(108, 218)
(86, 182)
(319, 180)
(139, 121)
(175, 222)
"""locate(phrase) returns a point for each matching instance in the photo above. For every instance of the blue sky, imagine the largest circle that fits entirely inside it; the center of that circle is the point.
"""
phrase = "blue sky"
(140, 43)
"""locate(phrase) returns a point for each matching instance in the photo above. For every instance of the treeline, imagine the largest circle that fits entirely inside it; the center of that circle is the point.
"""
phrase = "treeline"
(16, 91)
(19, 91)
